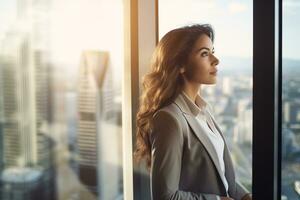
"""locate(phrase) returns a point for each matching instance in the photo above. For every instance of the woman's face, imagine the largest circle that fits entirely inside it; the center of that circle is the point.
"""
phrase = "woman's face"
(201, 67)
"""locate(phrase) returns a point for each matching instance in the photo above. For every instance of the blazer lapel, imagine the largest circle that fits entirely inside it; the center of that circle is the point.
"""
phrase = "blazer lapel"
(198, 131)
(203, 138)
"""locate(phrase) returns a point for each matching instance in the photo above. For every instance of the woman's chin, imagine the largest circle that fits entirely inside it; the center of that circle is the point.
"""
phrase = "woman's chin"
(211, 82)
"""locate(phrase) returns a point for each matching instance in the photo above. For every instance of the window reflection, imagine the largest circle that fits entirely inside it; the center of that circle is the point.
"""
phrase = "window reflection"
(61, 68)
(290, 101)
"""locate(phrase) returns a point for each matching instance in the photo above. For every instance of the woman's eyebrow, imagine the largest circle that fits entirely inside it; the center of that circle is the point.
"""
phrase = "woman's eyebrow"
(204, 48)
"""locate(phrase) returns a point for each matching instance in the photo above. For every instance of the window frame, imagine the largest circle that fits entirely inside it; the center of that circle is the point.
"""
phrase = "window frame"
(267, 93)
(267, 87)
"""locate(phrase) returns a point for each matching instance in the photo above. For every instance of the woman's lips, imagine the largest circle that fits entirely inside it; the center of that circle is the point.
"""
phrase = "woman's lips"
(214, 73)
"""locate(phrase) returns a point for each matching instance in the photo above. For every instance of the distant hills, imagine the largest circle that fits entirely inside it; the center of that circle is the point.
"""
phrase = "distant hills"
(244, 66)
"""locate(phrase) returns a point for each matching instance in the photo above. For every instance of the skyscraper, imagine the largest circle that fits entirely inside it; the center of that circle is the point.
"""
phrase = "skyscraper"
(92, 71)
(25, 99)
(18, 130)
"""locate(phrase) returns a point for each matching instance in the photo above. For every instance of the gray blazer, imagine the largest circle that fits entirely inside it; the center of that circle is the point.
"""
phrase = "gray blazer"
(184, 163)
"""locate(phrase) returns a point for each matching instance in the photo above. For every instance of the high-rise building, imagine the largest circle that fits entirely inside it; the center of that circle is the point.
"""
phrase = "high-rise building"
(244, 115)
(18, 130)
(98, 132)
(25, 105)
(92, 72)
(226, 86)
(1, 120)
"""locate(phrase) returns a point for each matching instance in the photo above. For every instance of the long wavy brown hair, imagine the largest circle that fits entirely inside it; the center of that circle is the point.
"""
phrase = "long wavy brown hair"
(164, 82)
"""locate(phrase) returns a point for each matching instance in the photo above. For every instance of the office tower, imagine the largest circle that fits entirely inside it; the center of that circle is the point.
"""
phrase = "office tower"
(25, 102)
(92, 71)
(1, 119)
(286, 112)
(227, 86)
(18, 132)
(43, 112)
(25, 108)
(99, 134)
(244, 115)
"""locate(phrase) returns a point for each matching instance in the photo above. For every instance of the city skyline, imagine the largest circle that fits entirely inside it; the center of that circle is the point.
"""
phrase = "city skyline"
(55, 118)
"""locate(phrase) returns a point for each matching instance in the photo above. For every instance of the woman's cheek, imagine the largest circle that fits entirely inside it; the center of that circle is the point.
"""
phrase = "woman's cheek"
(195, 72)
(198, 74)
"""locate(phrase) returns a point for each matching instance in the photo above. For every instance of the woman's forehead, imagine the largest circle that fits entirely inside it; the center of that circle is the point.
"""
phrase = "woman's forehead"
(203, 41)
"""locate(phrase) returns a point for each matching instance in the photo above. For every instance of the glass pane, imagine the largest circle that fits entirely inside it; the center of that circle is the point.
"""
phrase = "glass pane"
(290, 101)
(61, 72)
(231, 97)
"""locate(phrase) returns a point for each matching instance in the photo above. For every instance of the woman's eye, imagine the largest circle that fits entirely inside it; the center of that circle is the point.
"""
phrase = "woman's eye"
(204, 54)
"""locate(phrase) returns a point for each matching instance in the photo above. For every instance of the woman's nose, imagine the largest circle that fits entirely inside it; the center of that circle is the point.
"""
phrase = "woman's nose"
(215, 60)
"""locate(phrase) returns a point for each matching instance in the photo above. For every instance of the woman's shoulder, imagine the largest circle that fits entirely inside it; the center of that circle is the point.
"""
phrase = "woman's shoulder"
(171, 116)
(171, 111)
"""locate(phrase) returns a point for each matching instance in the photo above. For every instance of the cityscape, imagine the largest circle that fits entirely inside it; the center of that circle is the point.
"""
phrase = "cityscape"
(61, 129)
(231, 99)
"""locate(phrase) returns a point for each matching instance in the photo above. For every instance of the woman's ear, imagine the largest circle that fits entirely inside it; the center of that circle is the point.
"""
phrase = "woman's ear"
(182, 70)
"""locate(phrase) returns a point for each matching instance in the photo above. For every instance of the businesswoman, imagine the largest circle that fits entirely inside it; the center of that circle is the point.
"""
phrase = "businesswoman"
(177, 135)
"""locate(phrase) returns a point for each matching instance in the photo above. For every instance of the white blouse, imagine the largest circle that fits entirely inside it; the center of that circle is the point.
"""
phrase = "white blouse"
(205, 121)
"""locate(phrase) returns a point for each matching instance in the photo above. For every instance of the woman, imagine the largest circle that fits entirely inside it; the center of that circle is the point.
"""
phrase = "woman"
(176, 134)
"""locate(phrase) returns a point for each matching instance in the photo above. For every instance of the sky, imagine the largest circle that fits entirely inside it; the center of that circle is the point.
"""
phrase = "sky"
(291, 29)
(231, 19)
(74, 26)
(7, 15)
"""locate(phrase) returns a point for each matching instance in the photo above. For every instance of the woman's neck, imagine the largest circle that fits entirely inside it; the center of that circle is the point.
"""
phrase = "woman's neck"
(192, 90)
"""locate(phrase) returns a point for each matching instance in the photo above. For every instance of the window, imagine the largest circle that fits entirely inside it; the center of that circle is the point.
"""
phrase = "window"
(290, 102)
(61, 63)
(231, 97)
